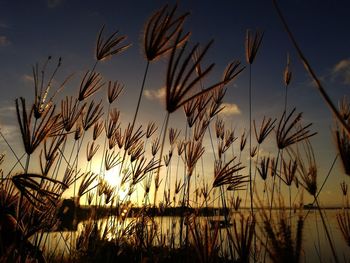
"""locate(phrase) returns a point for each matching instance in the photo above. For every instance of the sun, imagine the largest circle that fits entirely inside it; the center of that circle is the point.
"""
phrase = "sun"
(113, 177)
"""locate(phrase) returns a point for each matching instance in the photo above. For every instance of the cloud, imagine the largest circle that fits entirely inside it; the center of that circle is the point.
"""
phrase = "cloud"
(5, 111)
(4, 41)
(53, 3)
(230, 109)
(341, 71)
(27, 78)
(10, 131)
(4, 25)
(155, 95)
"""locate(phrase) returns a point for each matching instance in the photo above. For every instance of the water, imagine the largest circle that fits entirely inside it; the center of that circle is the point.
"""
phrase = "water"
(315, 246)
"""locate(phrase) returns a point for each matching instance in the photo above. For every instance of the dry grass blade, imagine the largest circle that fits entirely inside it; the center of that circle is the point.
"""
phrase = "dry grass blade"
(343, 145)
(284, 135)
(98, 128)
(344, 108)
(283, 246)
(253, 151)
(136, 150)
(344, 188)
(182, 76)
(289, 171)
(252, 44)
(114, 91)
(151, 129)
(70, 176)
(56, 142)
(306, 167)
(109, 47)
(344, 225)
(205, 241)
(220, 128)
(236, 203)
(89, 85)
(141, 168)
(287, 75)
(232, 71)
(91, 150)
(265, 129)
(78, 130)
(112, 159)
(155, 146)
(92, 115)
(173, 135)
(112, 124)
(45, 165)
(70, 112)
(264, 167)
(32, 139)
(131, 137)
(224, 174)
(243, 232)
(178, 76)
(161, 31)
(225, 144)
(190, 110)
(36, 192)
(86, 184)
(42, 89)
(313, 75)
(193, 152)
(200, 129)
(243, 142)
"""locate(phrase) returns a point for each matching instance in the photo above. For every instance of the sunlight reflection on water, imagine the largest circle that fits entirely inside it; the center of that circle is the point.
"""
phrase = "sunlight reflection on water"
(315, 247)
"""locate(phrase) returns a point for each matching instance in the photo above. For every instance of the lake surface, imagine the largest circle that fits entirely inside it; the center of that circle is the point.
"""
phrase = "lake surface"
(315, 246)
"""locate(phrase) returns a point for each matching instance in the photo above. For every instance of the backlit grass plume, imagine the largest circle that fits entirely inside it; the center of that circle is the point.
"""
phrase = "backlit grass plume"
(161, 30)
(33, 137)
(283, 246)
(343, 145)
(290, 131)
(112, 45)
(343, 219)
(252, 44)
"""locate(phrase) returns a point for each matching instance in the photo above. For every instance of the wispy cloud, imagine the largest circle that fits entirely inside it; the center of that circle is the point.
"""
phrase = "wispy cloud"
(4, 25)
(53, 3)
(27, 78)
(10, 132)
(155, 95)
(4, 41)
(8, 126)
(341, 71)
(230, 109)
(5, 111)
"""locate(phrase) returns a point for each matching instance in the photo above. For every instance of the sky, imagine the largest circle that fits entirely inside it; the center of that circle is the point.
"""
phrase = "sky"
(32, 30)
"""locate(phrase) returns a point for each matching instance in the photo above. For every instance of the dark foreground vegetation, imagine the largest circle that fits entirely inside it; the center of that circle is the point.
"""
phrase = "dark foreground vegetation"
(62, 140)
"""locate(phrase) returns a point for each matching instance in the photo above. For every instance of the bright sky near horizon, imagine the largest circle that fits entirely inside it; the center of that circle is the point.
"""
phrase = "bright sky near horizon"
(32, 30)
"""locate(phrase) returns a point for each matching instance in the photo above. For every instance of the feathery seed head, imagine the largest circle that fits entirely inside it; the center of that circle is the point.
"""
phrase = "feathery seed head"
(265, 129)
(344, 188)
(98, 128)
(89, 85)
(114, 90)
(343, 145)
(111, 46)
(151, 129)
(161, 31)
(287, 73)
(252, 44)
(92, 115)
(264, 167)
(284, 134)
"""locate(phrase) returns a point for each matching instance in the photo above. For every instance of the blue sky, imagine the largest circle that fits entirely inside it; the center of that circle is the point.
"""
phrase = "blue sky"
(32, 30)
